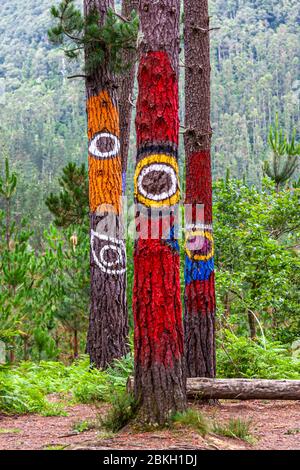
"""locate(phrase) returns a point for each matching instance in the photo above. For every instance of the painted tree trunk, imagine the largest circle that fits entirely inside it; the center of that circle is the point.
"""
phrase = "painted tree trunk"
(159, 374)
(108, 326)
(126, 85)
(199, 320)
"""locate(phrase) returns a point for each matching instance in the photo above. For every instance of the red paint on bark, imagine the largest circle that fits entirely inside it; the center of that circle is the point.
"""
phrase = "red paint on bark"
(198, 182)
(200, 296)
(157, 105)
(157, 304)
(156, 298)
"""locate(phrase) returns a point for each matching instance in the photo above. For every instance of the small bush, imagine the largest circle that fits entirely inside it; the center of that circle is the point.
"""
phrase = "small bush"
(124, 409)
(192, 419)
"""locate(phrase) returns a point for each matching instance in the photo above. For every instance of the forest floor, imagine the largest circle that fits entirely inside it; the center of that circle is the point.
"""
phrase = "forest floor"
(274, 425)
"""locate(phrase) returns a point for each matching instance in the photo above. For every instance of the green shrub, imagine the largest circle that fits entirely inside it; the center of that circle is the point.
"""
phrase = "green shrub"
(243, 357)
(124, 408)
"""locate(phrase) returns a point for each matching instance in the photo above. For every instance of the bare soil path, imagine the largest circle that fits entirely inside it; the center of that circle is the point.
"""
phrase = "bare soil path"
(274, 425)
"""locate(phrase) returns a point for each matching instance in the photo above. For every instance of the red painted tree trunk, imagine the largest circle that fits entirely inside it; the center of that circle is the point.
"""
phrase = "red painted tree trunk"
(199, 296)
(159, 375)
(108, 325)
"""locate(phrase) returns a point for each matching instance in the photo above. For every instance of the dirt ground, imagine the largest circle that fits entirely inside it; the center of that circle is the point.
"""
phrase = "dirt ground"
(274, 426)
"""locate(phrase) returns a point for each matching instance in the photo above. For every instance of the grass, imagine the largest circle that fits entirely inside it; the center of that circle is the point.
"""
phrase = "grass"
(10, 431)
(192, 419)
(236, 428)
(56, 447)
(292, 432)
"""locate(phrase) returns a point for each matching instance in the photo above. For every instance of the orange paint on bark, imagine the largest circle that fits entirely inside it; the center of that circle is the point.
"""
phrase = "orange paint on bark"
(105, 183)
(105, 167)
(102, 115)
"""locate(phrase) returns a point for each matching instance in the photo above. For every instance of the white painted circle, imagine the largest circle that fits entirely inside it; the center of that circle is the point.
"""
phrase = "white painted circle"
(113, 244)
(94, 150)
(163, 169)
(111, 248)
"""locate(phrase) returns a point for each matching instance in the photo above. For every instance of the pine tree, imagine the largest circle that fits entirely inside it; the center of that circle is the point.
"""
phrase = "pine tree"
(199, 319)
(159, 374)
(102, 36)
(285, 155)
(71, 205)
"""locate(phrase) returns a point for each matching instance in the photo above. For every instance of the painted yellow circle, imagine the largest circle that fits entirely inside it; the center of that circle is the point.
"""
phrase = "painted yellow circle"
(152, 159)
(204, 234)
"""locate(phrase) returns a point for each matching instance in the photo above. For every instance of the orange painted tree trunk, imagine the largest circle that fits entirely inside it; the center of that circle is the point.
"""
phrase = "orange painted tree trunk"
(108, 326)
(159, 374)
(199, 296)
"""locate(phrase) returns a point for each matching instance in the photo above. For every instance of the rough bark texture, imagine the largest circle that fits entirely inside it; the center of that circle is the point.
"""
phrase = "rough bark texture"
(108, 326)
(199, 297)
(126, 84)
(239, 389)
(159, 374)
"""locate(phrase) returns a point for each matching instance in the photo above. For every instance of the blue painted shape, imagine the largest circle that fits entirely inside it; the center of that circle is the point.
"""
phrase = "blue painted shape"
(172, 241)
(197, 270)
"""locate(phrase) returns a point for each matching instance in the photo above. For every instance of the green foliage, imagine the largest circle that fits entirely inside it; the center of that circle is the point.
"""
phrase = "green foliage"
(242, 357)
(24, 389)
(285, 155)
(192, 419)
(8, 183)
(83, 426)
(70, 206)
(123, 410)
(257, 268)
(100, 42)
(237, 428)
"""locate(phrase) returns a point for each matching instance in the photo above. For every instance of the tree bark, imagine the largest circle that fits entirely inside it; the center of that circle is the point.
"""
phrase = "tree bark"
(108, 325)
(159, 372)
(126, 85)
(239, 389)
(199, 298)
(75, 344)
(252, 325)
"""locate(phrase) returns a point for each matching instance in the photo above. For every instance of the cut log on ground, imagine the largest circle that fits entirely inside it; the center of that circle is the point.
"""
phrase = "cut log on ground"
(239, 389)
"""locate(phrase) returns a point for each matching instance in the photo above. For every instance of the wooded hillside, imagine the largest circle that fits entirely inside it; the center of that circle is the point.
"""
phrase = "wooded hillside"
(255, 73)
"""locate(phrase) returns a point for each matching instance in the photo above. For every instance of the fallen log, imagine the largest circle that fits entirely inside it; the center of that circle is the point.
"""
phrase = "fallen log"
(239, 389)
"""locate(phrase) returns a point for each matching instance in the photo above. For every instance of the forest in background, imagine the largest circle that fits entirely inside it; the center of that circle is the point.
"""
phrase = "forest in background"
(255, 74)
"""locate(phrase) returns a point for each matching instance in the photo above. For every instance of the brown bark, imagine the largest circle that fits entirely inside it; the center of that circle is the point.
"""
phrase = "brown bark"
(75, 344)
(108, 325)
(126, 85)
(239, 389)
(252, 325)
(159, 374)
(199, 320)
